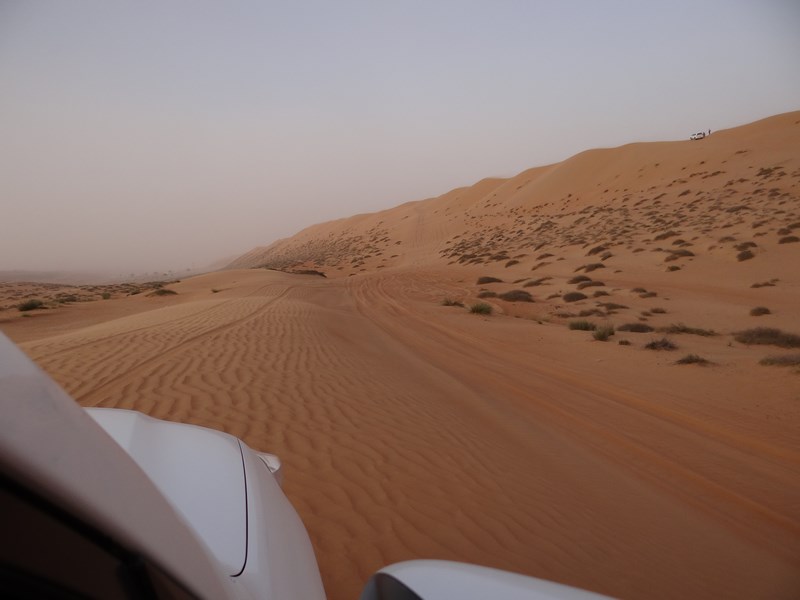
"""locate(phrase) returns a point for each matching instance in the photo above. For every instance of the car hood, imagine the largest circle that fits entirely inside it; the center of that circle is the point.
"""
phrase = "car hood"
(200, 472)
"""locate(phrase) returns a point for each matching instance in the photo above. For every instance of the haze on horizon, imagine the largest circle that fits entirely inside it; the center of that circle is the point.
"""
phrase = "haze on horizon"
(172, 135)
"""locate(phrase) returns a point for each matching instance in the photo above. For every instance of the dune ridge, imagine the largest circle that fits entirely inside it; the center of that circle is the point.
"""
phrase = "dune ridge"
(414, 429)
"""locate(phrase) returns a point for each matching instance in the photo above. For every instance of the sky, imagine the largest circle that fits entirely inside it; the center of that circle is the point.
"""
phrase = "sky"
(153, 136)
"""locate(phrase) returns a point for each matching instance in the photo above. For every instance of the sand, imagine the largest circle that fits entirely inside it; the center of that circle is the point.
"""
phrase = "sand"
(410, 429)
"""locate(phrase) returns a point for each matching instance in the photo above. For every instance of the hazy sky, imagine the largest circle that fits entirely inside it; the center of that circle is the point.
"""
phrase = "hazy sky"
(156, 135)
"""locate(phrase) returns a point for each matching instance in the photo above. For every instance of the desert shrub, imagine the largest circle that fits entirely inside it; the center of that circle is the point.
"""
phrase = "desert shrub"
(483, 280)
(599, 293)
(516, 296)
(744, 255)
(585, 284)
(666, 234)
(593, 267)
(658, 311)
(487, 294)
(105, 295)
(582, 325)
(648, 295)
(32, 304)
(68, 298)
(611, 305)
(543, 256)
(789, 239)
(692, 359)
(601, 334)
(783, 360)
(759, 310)
(451, 302)
(596, 250)
(673, 268)
(511, 263)
(481, 308)
(677, 328)
(536, 282)
(768, 336)
(215, 291)
(591, 312)
(662, 344)
(162, 292)
(727, 238)
(745, 245)
(763, 284)
(624, 343)
(579, 279)
(574, 296)
(635, 327)
(639, 290)
(676, 254)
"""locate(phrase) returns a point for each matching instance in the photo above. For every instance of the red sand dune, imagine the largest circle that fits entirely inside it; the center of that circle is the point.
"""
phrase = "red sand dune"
(410, 429)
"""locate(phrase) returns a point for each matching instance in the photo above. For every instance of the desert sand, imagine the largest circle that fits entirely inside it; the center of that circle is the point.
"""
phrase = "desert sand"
(414, 429)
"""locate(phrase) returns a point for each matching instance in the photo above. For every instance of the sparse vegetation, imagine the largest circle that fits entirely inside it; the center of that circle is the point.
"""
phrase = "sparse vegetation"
(487, 294)
(162, 292)
(451, 302)
(768, 336)
(106, 295)
(579, 279)
(624, 343)
(658, 311)
(601, 334)
(759, 310)
(783, 360)
(574, 296)
(678, 328)
(32, 304)
(511, 263)
(582, 325)
(692, 359)
(611, 305)
(481, 308)
(662, 344)
(585, 284)
(485, 280)
(789, 239)
(744, 255)
(516, 296)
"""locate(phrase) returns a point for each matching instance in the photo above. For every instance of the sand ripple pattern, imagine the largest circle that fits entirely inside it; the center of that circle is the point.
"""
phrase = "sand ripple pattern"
(405, 436)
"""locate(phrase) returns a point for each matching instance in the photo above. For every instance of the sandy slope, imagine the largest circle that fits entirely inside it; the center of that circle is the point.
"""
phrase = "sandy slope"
(411, 429)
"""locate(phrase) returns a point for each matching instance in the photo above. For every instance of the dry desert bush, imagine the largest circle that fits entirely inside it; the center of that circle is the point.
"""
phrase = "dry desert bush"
(759, 310)
(768, 336)
(782, 360)
(677, 328)
(661, 344)
(481, 308)
(601, 334)
(692, 359)
(582, 325)
(574, 296)
(486, 279)
(516, 296)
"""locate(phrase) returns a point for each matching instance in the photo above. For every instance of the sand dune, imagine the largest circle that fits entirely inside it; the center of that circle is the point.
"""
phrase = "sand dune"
(410, 429)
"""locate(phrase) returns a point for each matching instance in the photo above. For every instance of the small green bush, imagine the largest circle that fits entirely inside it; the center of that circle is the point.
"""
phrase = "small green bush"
(32, 304)
(582, 325)
(481, 308)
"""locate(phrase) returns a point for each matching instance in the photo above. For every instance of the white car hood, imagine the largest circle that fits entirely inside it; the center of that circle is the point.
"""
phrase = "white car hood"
(200, 472)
